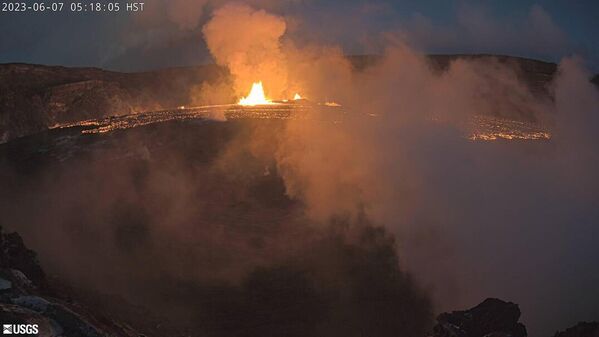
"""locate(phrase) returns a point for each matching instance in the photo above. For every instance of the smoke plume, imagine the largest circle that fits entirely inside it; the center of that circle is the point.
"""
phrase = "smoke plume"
(247, 42)
(467, 215)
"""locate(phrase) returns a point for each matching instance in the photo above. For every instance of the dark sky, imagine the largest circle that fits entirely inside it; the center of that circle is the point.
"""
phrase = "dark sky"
(168, 33)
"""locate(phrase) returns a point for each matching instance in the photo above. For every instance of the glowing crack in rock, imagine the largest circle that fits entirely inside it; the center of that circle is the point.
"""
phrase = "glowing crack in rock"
(478, 128)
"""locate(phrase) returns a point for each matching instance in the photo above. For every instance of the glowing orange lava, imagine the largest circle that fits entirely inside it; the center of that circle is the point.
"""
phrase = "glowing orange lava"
(256, 96)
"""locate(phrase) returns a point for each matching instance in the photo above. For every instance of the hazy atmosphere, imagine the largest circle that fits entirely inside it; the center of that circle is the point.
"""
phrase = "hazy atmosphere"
(310, 168)
(169, 32)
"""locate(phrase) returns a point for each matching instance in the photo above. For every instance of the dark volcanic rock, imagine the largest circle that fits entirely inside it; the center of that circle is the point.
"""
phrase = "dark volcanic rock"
(289, 278)
(35, 97)
(534, 73)
(14, 255)
(493, 317)
(582, 329)
(24, 300)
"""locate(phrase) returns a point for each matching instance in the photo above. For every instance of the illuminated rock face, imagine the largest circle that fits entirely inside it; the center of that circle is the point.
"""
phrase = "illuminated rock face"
(88, 99)
(34, 97)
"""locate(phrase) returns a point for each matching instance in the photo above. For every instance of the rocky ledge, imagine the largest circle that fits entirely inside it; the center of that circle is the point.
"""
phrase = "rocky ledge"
(492, 318)
(496, 318)
(26, 298)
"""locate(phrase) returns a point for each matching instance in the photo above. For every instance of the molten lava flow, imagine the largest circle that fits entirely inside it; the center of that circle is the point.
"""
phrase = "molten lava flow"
(256, 96)
(297, 96)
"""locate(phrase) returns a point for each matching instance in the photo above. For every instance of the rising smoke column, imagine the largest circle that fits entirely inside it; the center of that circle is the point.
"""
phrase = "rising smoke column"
(466, 214)
(247, 42)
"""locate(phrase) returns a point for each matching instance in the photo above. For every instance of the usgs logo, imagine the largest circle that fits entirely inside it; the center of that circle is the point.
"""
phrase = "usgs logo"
(19, 329)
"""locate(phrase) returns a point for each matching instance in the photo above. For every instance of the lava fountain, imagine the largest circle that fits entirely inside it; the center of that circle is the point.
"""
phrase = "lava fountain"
(256, 96)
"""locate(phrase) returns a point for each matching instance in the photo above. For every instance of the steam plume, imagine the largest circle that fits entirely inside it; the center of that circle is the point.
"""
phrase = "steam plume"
(465, 214)
(246, 41)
